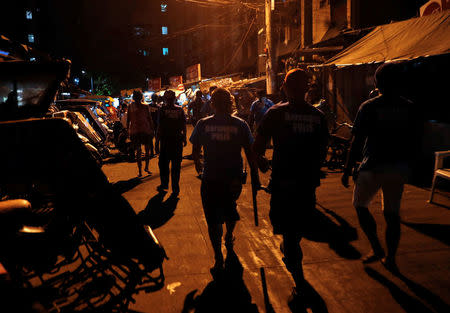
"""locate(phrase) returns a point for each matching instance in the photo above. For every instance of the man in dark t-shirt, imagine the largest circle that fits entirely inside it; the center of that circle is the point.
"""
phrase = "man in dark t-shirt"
(172, 138)
(300, 135)
(222, 137)
(258, 108)
(196, 105)
(207, 108)
(387, 131)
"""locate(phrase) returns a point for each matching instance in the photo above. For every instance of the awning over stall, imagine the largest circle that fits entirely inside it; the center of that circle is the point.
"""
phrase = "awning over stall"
(405, 40)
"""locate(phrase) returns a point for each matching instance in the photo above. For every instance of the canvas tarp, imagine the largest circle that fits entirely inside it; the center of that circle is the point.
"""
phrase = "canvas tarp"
(405, 40)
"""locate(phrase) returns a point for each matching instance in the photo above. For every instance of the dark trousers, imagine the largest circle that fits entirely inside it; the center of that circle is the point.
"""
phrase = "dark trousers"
(170, 152)
(291, 207)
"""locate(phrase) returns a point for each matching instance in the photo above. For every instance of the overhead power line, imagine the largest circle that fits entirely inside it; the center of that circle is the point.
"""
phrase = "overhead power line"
(191, 30)
(239, 47)
(212, 3)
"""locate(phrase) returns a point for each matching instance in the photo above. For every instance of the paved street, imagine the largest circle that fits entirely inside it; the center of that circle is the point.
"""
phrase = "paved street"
(339, 282)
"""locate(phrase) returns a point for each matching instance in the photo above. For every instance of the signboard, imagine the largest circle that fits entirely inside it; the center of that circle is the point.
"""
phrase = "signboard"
(175, 81)
(193, 73)
(434, 6)
(154, 84)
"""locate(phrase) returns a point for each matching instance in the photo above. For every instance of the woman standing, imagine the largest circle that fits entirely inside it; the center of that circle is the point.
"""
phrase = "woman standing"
(140, 129)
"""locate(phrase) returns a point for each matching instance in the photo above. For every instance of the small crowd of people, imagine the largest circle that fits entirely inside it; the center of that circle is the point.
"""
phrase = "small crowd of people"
(166, 124)
(147, 123)
(384, 147)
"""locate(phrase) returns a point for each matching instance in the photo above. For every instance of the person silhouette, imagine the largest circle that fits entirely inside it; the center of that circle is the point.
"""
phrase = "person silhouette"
(386, 131)
(222, 137)
(300, 136)
(171, 135)
(140, 129)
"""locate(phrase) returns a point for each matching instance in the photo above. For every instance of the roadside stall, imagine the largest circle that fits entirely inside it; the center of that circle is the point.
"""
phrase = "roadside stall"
(422, 45)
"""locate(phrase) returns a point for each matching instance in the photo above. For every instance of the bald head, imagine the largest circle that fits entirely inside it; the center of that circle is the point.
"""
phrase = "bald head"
(296, 84)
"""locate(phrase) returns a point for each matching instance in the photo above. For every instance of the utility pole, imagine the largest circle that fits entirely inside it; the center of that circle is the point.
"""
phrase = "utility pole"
(271, 61)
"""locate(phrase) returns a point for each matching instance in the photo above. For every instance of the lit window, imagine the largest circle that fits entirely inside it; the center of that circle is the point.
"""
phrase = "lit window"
(163, 7)
(32, 59)
(30, 38)
(143, 52)
(165, 51)
(138, 31)
(164, 30)
(29, 15)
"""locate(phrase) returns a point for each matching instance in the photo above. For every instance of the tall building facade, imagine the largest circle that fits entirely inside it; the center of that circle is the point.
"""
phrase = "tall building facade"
(136, 40)
(25, 22)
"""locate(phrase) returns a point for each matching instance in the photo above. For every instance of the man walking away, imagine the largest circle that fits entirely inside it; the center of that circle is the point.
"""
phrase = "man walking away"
(196, 106)
(387, 131)
(300, 136)
(222, 137)
(140, 129)
(258, 108)
(207, 109)
(172, 137)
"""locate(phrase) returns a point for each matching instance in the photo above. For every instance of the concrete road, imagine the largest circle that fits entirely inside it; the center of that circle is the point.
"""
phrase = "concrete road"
(258, 281)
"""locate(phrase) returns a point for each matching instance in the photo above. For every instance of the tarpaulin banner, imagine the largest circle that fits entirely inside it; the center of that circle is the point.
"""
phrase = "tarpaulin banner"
(175, 81)
(154, 84)
(193, 73)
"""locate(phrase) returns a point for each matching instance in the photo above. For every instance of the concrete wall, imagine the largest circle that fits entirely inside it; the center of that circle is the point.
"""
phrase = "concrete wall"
(321, 14)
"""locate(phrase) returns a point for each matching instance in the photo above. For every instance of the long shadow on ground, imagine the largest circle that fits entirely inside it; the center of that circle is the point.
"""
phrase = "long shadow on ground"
(336, 231)
(308, 298)
(440, 232)
(407, 302)
(158, 212)
(119, 158)
(126, 185)
(421, 292)
(226, 293)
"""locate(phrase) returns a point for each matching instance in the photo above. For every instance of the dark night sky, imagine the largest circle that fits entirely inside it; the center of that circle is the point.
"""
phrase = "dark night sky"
(95, 34)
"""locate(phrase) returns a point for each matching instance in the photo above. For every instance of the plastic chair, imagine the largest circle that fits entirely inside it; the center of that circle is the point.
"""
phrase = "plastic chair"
(439, 170)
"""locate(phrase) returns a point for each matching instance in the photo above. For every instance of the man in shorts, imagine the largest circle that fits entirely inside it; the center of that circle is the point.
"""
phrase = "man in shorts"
(222, 137)
(387, 131)
(154, 113)
(300, 136)
(140, 129)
